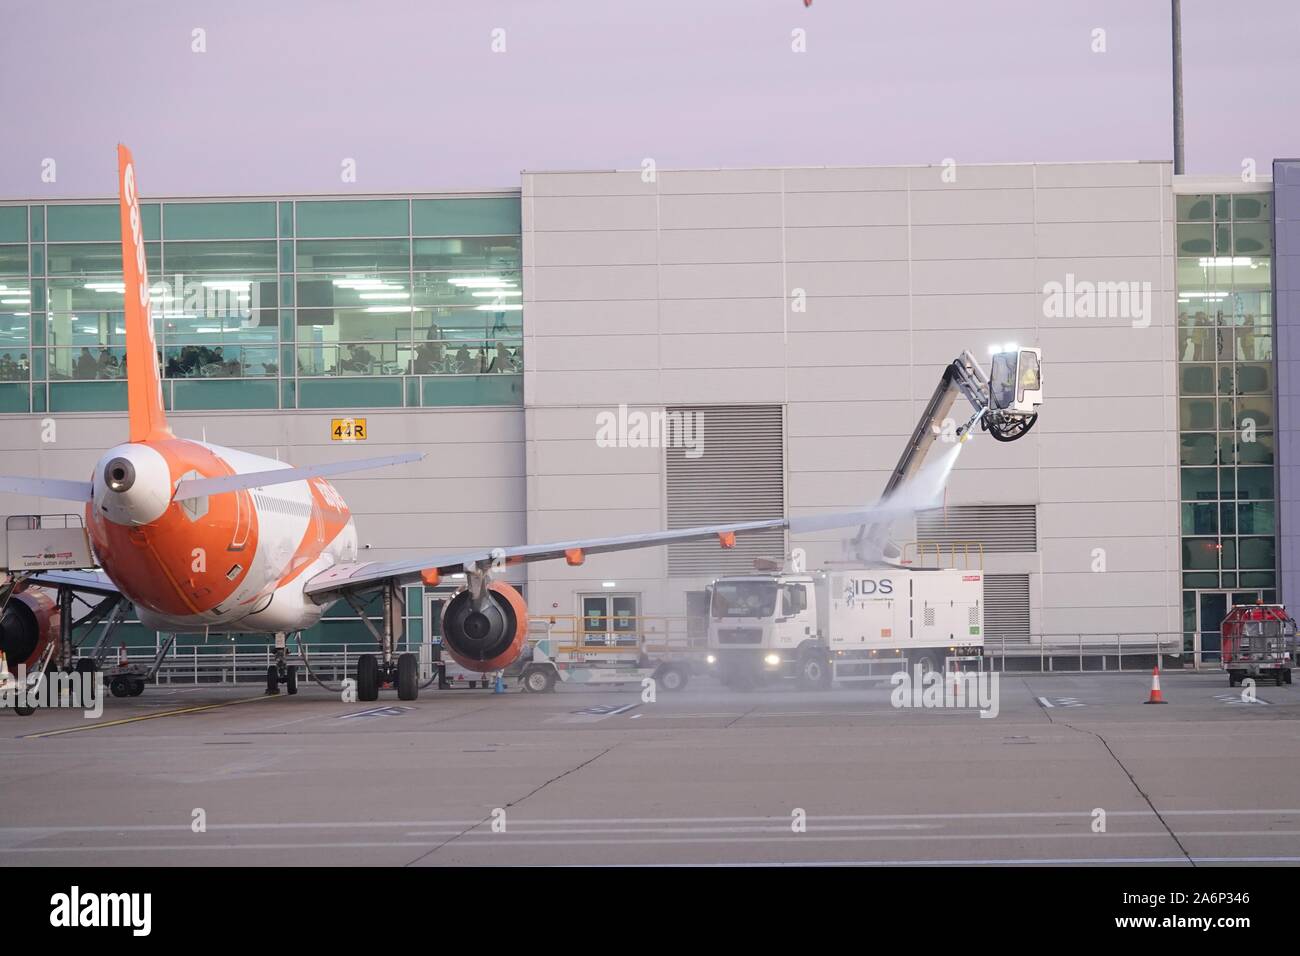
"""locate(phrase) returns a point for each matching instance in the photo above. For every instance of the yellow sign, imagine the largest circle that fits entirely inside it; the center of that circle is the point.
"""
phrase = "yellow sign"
(348, 429)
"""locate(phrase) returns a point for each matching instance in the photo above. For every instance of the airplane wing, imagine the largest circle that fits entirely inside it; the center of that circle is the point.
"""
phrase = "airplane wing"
(93, 582)
(351, 576)
(202, 487)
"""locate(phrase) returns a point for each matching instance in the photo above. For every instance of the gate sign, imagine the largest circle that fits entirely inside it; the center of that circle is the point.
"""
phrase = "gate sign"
(348, 429)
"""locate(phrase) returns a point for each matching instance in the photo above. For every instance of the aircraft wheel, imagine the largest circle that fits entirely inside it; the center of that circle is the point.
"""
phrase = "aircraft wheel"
(291, 679)
(367, 677)
(272, 679)
(408, 677)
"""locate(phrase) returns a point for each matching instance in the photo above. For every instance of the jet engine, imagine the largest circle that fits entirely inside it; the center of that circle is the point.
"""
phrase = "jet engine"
(486, 639)
(30, 621)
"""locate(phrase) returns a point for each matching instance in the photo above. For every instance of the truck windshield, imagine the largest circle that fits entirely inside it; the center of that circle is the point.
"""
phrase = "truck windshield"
(744, 598)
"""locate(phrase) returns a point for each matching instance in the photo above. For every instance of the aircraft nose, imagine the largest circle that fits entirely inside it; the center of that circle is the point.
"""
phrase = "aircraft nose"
(119, 475)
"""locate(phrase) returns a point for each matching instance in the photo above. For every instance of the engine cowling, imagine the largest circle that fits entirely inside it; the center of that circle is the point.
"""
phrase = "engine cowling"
(30, 621)
(487, 640)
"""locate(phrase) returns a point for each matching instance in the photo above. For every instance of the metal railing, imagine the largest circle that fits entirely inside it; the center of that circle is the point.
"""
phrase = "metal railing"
(1047, 653)
(1104, 651)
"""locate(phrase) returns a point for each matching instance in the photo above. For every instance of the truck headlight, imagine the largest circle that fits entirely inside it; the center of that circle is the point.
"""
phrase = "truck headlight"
(772, 660)
(711, 659)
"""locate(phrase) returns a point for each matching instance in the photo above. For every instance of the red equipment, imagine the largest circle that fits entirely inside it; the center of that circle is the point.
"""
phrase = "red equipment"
(1258, 641)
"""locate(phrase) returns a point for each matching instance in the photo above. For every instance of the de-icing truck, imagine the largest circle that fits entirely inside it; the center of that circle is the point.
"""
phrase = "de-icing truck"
(839, 623)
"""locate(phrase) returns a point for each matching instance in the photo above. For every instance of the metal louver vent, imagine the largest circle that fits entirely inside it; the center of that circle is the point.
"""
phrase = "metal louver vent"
(1006, 609)
(995, 528)
(740, 476)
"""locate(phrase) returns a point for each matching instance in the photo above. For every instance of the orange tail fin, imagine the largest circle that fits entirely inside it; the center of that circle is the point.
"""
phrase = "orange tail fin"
(144, 395)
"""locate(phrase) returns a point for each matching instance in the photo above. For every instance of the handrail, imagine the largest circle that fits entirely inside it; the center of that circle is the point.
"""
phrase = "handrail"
(922, 548)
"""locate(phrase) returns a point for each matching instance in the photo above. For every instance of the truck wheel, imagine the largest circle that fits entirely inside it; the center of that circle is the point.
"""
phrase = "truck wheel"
(815, 672)
(1234, 678)
(119, 687)
(924, 661)
(672, 678)
(1286, 675)
(137, 688)
(539, 680)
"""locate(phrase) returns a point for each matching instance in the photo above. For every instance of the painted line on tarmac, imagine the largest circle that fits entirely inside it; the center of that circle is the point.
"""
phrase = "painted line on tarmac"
(1044, 861)
(131, 720)
(1044, 702)
(778, 827)
(1238, 699)
(485, 839)
(46, 829)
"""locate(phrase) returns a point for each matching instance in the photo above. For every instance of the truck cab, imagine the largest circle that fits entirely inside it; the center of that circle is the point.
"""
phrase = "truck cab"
(758, 626)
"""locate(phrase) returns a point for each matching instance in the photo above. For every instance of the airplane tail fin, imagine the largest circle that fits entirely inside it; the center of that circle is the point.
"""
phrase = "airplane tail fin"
(143, 381)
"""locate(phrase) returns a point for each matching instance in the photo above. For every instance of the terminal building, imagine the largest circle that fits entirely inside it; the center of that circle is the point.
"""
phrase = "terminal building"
(606, 352)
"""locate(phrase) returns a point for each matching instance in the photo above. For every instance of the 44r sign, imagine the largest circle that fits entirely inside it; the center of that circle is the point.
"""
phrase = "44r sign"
(348, 429)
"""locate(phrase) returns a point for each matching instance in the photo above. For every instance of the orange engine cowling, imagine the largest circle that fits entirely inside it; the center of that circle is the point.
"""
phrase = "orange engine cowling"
(30, 621)
(486, 640)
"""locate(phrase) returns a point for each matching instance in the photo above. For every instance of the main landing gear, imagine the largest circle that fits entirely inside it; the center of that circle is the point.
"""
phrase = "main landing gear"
(387, 668)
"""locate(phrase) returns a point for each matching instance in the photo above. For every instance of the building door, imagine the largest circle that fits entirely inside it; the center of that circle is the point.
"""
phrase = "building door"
(1211, 608)
(611, 620)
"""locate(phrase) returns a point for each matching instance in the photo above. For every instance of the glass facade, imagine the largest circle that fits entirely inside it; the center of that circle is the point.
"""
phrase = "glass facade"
(1227, 397)
(306, 303)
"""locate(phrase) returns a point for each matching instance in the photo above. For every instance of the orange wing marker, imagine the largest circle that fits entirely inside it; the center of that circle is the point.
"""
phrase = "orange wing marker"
(727, 539)
(574, 557)
(144, 397)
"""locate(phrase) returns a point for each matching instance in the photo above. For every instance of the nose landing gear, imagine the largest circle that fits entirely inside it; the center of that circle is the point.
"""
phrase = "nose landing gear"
(281, 672)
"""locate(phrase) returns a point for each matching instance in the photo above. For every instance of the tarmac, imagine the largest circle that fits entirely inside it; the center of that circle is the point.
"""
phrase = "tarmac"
(1073, 769)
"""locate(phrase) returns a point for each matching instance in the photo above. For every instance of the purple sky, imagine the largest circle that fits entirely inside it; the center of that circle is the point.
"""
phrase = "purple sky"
(412, 91)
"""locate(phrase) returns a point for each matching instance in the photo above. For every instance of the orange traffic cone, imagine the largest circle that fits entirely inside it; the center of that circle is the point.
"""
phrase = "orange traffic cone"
(1156, 697)
(4, 668)
(121, 655)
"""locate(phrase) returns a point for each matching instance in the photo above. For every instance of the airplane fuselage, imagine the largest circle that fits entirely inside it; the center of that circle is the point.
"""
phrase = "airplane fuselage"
(234, 558)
